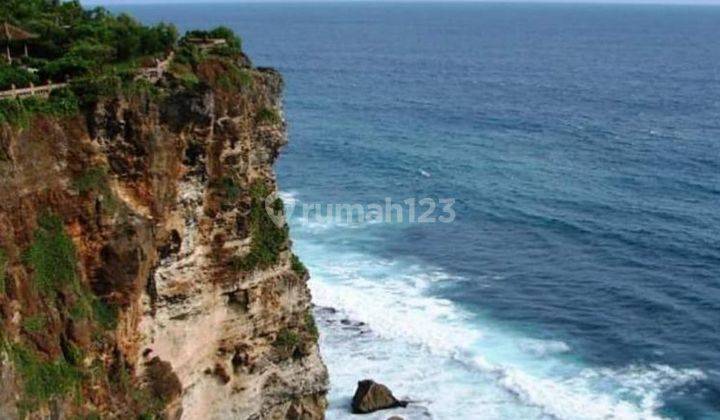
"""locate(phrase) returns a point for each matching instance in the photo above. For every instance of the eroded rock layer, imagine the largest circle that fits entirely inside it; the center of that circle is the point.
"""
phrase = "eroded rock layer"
(142, 272)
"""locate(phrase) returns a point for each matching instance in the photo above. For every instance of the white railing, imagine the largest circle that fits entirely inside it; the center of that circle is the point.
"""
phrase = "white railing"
(33, 90)
(151, 73)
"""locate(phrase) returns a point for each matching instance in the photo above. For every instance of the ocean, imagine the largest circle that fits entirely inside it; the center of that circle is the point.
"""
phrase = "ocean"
(580, 278)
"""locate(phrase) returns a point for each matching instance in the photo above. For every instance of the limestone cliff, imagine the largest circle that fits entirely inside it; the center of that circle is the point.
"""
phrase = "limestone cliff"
(141, 274)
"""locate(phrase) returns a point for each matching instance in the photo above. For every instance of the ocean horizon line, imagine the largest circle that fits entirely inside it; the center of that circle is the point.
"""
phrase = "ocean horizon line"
(693, 3)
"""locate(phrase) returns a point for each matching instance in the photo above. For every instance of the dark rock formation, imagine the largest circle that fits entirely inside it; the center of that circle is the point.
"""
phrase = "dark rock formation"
(371, 396)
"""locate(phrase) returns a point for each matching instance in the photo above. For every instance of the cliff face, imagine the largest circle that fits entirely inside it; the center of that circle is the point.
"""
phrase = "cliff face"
(141, 271)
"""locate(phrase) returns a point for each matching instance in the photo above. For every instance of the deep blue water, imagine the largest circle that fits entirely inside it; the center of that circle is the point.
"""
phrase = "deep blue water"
(581, 278)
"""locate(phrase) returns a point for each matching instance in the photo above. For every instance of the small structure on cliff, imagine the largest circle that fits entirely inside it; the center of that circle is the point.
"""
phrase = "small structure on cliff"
(10, 34)
(206, 43)
(157, 70)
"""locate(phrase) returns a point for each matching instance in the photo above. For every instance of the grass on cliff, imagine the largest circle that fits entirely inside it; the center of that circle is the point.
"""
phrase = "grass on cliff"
(52, 256)
(268, 116)
(42, 380)
(93, 179)
(286, 341)
(297, 266)
(19, 112)
(89, 306)
(104, 314)
(311, 325)
(228, 189)
(234, 77)
(34, 324)
(268, 240)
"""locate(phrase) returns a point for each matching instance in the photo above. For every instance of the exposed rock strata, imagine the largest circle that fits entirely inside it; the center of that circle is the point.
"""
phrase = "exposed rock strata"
(155, 193)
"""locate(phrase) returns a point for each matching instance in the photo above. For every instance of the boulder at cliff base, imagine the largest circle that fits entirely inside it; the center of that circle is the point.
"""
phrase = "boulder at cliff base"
(371, 396)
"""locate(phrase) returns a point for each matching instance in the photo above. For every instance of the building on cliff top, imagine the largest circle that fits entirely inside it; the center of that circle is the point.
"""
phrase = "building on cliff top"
(206, 43)
(10, 34)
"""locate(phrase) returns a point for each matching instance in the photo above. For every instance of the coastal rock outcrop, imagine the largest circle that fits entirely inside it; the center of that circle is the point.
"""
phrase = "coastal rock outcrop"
(371, 396)
(139, 272)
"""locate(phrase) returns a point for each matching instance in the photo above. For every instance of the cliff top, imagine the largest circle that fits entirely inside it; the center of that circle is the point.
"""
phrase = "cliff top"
(98, 53)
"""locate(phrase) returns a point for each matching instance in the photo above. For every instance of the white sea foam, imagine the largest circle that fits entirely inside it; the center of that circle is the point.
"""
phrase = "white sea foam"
(390, 327)
(543, 347)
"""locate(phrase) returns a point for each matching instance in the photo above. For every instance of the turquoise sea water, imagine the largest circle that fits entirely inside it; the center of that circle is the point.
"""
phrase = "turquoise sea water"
(581, 278)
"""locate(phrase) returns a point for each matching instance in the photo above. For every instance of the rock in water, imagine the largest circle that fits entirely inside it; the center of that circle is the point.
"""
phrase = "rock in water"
(371, 396)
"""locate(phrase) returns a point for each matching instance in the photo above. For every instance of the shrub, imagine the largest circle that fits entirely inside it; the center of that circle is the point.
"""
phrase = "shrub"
(297, 266)
(43, 380)
(161, 37)
(66, 67)
(92, 51)
(311, 325)
(11, 75)
(267, 239)
(52, 255)
(106, 315)
(62, 102)
(183, 74)
(90, 306)
(286, 341)
(93, 88)
(140, 89)
(93, 179)
(228, 189)
(19, 111)
(268, 116)
(234, 77)
(34, 324)
(189, 55)
(73, 354)
(189, 81)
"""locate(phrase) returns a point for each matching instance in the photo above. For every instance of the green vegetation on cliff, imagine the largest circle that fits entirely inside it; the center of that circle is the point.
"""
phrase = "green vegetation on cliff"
(286, 341)
(72, 41)
(267, 238)
(75, 269)
(52, 256)
(297, 266)
(268, 116)
(62, 299)
(311, 325)
(61, 103)
(101, 54)
(93, 179)
(34, 324)
(42, 379)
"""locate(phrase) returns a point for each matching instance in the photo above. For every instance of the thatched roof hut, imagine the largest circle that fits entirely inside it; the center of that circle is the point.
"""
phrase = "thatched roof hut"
(10, 33)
